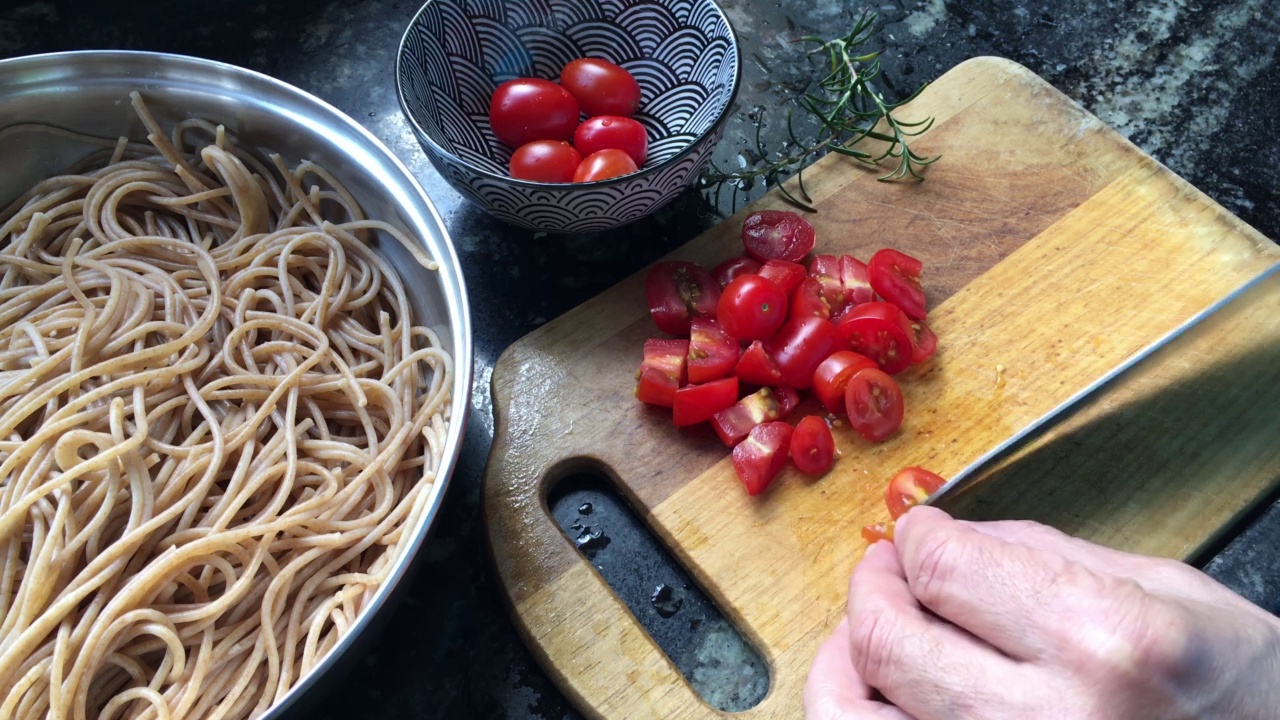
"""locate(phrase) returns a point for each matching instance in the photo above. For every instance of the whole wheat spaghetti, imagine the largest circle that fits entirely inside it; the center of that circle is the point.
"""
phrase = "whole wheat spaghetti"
(217, 419)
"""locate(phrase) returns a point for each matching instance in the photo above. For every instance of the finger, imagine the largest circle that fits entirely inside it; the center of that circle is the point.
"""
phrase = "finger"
(923, 665)
(834, 691)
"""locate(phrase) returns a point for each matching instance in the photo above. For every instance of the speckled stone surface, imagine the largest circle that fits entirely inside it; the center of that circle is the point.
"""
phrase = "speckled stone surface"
(1193, 82)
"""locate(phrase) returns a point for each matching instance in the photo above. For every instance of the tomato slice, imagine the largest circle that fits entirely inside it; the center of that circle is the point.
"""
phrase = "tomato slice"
(756, 367)
(910, 487)
(896, 277)
(662, 372)
(832, 377)
(880, 331)
(777, 235)
(697, 403)
(760, 457)
(924, 343)
(735, 422)
(873, 401)
(786, 275)
(751, 308)
(813, 449)
(809, 300)
(800, 346)
(712, 353)
(679, 291)
(877, 532)
(725, 272)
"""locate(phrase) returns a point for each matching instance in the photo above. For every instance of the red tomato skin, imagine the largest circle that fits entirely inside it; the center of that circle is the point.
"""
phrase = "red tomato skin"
(813, 449)
(713, 354)
(832, 377)
(896, 278)
(873, 401)
(612, 132)
(777, 235)
(881, 331)
(604, 164)
(856, 278)
(662, 372)
(527, 109)
(698, 403)
(800, 346)
(788, 400)
(924, 343)
(679, 291)
(601, 87)
(734, 423)
(760, 457)
(809, 301)
(786, 275)
(877, 532)
(725, 272)
(910, 487)
(751, 308)
(548, 161)
(756, 367)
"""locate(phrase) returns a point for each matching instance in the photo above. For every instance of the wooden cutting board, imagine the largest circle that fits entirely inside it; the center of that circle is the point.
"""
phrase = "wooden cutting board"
(1054, 250)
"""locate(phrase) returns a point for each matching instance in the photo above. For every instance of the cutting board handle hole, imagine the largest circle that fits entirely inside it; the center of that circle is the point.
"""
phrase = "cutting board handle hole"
(697, 637)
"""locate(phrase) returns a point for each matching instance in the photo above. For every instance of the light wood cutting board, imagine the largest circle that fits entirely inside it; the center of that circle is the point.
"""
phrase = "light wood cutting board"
(1054, 249)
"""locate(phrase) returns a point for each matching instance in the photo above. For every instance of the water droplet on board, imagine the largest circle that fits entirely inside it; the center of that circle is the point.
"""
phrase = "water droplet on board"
(665, 601)
(585, 508)
(591, 541)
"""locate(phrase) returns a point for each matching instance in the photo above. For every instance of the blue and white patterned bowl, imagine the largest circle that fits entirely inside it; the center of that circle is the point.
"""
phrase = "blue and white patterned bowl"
(456, 52)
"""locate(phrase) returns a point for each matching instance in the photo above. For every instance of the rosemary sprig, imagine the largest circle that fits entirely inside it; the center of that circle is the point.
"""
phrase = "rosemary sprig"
(849, 109)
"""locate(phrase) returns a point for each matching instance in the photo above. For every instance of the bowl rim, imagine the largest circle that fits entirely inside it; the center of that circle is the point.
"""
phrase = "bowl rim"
(642, 173)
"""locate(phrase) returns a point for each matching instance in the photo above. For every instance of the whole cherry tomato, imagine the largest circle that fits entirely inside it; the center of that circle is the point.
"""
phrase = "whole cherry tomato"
(549, 161)
(601, 87)
(751, 308)
(528, 109)
(800, 346)
(603, 165)
(605, 132)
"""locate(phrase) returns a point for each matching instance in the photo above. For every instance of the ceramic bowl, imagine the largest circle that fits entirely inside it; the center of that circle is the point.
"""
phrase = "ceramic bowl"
(456, 52)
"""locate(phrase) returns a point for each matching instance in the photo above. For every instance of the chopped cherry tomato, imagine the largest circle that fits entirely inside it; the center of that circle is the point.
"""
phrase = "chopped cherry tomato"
(832, 377)
(800, 346)
(844, 282)
(734, 423)
(549, 161)
(856, 277)
(788, 400)
(612, 132)
(678, 292)
(725, 272)
(777, 235)
(910, 487)
(756, 367)
(604, 164)
(809, 301)
(924, 343)
(712, 353)
(877, 532)
(786, 275)
(601, 87)
(751, 308)
(873, 401)
(896, 277)
(662, 371)
(825, 273)
(812, 447)
(527, 109)
(760, 457)
(697, 403)
(880, 331)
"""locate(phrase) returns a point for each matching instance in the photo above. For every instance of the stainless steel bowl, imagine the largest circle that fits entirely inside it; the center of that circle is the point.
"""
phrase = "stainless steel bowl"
(89, 92)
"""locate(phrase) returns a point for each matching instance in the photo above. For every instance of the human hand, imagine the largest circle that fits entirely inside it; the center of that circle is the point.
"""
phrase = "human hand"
(957, 620)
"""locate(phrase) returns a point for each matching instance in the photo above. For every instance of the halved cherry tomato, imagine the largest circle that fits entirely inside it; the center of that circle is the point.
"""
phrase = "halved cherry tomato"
(697, 403)
(662, 371)
(550, 161)
(825, 273)
(604, 164)
(725, 272)
(856, 278)
(605, 132)
(808, 300)
(877, 532)
(844, 281)
(896, 277)
(832, 377)
(751, 308)
(601, 87)
(873, 401)
(924, 343)
(910, 487)
(712, 353)
(786, 275)
(527, 109)
(800, 346)
(880, 331)
(734, 423)
(812, 447)
(760, 457)
(756, 367)
(679, 291)
(777, 235)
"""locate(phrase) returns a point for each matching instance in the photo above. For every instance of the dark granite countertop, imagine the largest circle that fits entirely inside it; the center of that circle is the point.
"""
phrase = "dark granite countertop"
(1193, 82)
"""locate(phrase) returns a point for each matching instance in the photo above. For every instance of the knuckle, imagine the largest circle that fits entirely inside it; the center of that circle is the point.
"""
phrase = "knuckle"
(1136, 636)
(935, 561)
(874, 644)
